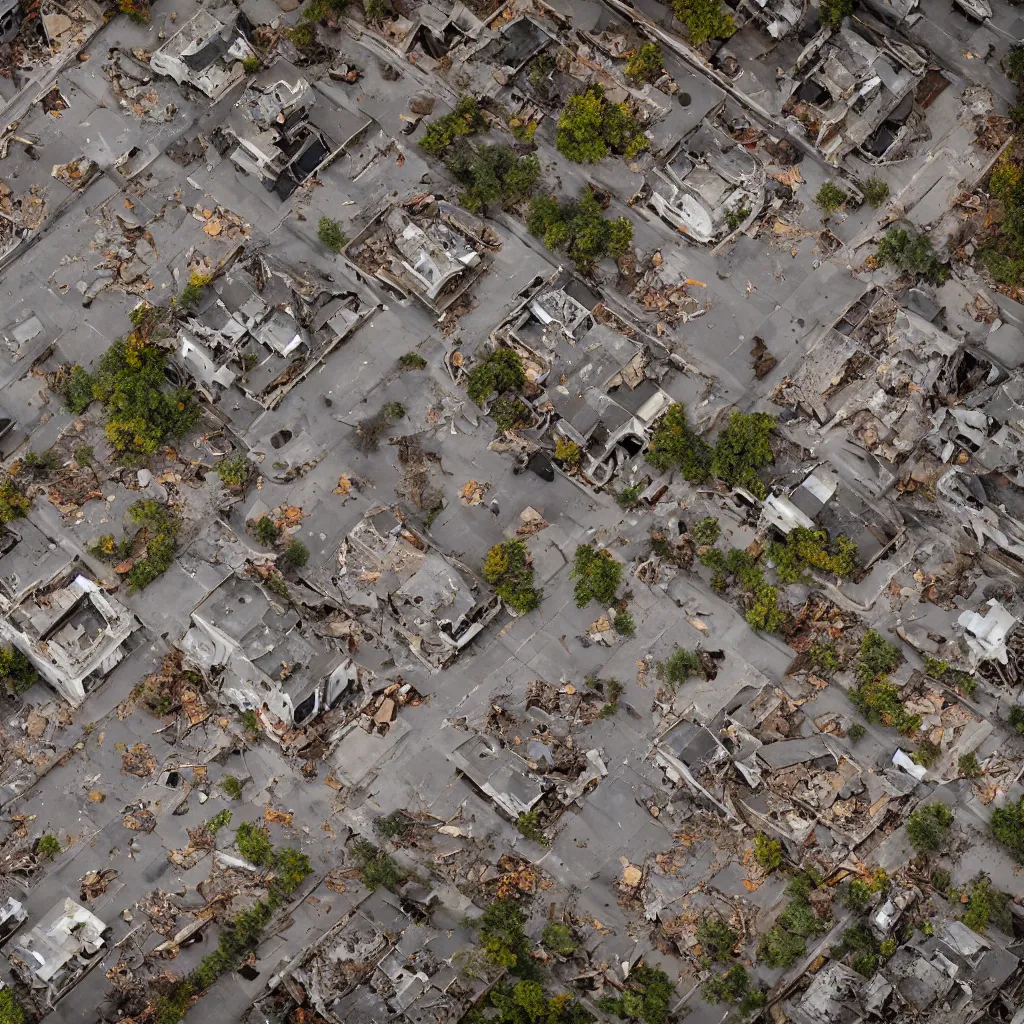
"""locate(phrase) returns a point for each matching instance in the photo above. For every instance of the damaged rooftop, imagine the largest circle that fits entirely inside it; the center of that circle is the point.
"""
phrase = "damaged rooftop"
(511, 511)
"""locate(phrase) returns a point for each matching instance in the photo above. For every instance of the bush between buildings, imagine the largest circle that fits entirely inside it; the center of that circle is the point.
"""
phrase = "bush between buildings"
(16, 671)
(49, 847)
(875, 190)
(320, 10)
(159, 528)
(624, 624)
(529, 827)
(856, 732)
(568, 453)
(11, 1011)
(330, 234)
(503, 938)
(253, 844)
(597, 576)
(645, 63)
(492, 174)
(1008, 828)
(234, 471)
(716, 938)
(266, 531)
(733, 986)
(706, 531)
(986, 906)
(805, 549)
(295, 554)
(779, 948)
(911, 254)
(928, 827)
(498, 371)
(579, 229)
(376, 11)
(859, 891)
(232, 787)
(508, 570)
(193, 291)
(968, 766)
(377, 868)
(678, 667)
(832, 12)
(142, 413)
(646, 996)
(767, 851)
(876, 658)
(590, 127)
(830, 197)
(466, 119)
(629, 497)
(559, 939)
(704, 19)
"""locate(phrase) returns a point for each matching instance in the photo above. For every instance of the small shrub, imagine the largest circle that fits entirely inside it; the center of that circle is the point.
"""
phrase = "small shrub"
(860, 891)
(330, 234)
(832, 12)
(629, 497)
(394, 410)
(251, 65)
(509, 413)
(84, 455)
(597, 576)
(830, 197)
(742, 448)
(877, 657)
(234, 471)
(296, 554)
(16, 671)
(624, 624)
(13, 504)
(266, 531)
(824, 657)
(220, 820)
(928, 827)
(377, 868)
(778, 948)
(529, 826)
(394, 826)
(716, 938)
(276, 584)
(253, 843)
(559, 939)
(376, 11)
(968, 766)
(875, 191)
(706, 531)
(1007, 826)
(674, 445)
(856, 732)
(590, 127)
(987, 905)
(678, 667)
(704, 19)
(911, 254)
(232, 787)
(412, 361)
(927, 754)
(48, 847)
(579, 229)
(645, 64)
(251, 724)
(193, 291)
(567, 452)
(767, 852)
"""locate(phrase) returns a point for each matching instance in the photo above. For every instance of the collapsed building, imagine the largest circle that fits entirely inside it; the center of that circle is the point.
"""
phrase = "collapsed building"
(262, 327)
(424, 248)
(72, 632)
(590, 373)
(281, 135)
(409, 594)
(207, 51)
(853, 91)
(52, 957)
(254, 650)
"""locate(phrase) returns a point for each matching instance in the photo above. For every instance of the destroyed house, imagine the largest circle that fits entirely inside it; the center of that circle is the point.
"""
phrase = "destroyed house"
(429, 33)
(425, 249)
(379, 965)
(207, 52)
(853, 90)
(255, 651)
(278, 132)
(390, 578)
(262, 327)
(54, 955)
(590, 368)
(776, 17)
(10, 20)
(53, 612)
(708, 186)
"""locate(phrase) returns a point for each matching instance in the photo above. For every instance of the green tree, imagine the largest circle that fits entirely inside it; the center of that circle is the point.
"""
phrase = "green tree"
(10, 1009)
(811, 549)
(503, 938)
(986, 906)
(559, 939)
(466, 119)
(674, 445)
(16, 671)
(733, 986)
(491, 174)
(579, 229)
(704, 19)
(589, 127)
(742, 448)
(13, 504)
(706, 531)
(779, 948)
(497, 372)
(597, 575)
(928, 827)
(509, 571)
(1008, 828)
(875, 191)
